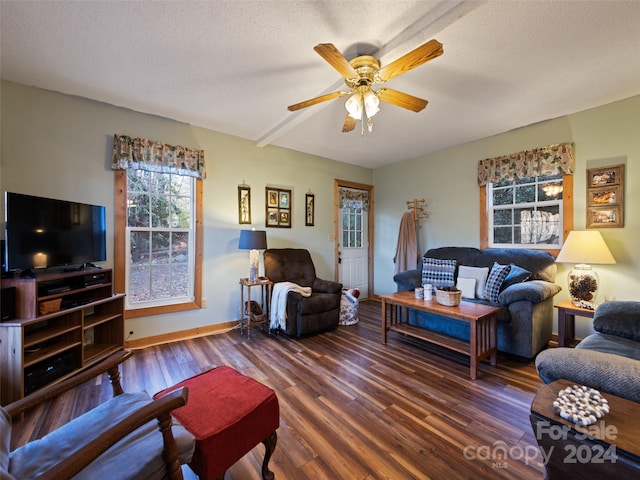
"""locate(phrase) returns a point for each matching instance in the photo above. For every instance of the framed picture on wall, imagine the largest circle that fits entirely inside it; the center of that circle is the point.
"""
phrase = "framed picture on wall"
(284, 199)
(604, 217)
(278, 204)
(309, 200)
(272, 198)
(272, 217)
(244, 204)
(600, 177)
(605, 197)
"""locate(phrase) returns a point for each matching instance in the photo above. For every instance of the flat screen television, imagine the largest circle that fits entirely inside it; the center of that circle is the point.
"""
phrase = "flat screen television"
(44, 232)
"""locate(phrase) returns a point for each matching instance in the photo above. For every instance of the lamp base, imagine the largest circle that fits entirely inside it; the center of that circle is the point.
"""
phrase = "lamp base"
(254, 265)
(583, 285)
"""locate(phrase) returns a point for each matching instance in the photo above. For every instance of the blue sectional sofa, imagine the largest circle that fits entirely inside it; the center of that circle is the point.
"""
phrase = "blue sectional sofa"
(525, 320)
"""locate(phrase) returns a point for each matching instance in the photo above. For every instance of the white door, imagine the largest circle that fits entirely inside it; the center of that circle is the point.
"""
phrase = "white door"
(353, 247)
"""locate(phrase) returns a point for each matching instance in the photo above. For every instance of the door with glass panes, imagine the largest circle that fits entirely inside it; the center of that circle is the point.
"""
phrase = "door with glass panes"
(353, 246)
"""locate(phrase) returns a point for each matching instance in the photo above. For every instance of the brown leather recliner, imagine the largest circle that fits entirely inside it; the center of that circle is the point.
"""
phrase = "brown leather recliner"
(305, 315)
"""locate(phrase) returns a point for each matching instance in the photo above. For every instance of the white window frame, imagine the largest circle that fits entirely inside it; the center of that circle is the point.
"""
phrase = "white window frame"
(172, 300)
(536, 204)
(357, 213)
(121, 251)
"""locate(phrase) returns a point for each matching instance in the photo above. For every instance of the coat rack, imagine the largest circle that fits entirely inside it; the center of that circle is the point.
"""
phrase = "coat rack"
(418, 208)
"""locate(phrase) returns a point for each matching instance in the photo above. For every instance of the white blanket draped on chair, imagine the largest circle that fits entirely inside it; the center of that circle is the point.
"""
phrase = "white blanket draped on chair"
(278, 311)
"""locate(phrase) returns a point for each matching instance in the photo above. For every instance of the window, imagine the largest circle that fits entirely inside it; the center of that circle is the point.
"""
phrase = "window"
(159, 238)
(526, 213)
(158, 241)
(526, 198)
(507, 209)
(352, 226)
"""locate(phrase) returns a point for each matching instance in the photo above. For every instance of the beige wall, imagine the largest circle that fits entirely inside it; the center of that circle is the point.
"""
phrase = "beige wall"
(59, 146)
(602, 136)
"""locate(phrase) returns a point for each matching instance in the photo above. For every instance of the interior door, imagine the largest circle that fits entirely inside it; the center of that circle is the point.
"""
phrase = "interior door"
(353, 248)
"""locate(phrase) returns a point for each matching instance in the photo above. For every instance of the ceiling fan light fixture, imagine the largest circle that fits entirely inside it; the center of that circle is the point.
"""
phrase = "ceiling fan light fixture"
(354, 106)
(371, 103)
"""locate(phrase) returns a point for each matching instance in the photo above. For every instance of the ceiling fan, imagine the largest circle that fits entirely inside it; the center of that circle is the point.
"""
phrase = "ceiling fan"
(361, 73)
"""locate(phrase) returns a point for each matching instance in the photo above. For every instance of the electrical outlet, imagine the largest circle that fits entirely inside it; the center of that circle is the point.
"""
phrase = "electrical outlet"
(204, 302)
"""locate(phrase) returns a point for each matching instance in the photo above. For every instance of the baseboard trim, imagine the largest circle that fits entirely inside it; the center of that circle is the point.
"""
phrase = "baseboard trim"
(181, 335)
(194, 332)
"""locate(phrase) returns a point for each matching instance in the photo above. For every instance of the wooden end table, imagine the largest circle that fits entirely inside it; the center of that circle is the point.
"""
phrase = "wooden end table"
(265, 300)
(610, 448)
(567, 312)
(481, 319)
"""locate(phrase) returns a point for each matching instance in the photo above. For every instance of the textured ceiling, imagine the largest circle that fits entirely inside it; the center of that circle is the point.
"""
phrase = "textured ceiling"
(234, 66)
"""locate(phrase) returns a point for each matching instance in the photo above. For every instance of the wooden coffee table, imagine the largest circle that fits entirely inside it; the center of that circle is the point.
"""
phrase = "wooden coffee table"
(610, 448)
(481, 319)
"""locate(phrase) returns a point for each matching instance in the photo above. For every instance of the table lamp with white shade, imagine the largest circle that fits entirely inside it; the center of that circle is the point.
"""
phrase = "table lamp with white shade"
(584, 248)
(253, 240)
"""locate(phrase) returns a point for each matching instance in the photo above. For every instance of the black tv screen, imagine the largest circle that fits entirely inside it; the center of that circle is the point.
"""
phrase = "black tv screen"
(44, 232)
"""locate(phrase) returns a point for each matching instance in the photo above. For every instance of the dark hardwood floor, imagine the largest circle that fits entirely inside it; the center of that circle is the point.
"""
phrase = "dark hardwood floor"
(350, 407)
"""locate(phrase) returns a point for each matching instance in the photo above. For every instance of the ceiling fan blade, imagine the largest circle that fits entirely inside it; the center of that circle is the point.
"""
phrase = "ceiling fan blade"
(331, 54)
(349, 124)
(314, 101)
(428, 51)
(400, 99)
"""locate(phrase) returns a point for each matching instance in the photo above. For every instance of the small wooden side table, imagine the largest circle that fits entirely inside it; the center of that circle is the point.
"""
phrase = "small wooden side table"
(567, 312)
(264, 300)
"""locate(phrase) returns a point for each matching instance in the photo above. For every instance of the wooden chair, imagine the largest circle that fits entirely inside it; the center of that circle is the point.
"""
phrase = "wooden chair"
(117, 439)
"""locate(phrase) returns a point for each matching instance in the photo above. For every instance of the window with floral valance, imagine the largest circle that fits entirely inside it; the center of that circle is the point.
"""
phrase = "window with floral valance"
(526, 198)
(158, 244)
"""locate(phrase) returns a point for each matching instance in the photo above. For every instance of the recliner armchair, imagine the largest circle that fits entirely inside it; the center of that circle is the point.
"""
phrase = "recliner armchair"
(305, 315)
(117, 439)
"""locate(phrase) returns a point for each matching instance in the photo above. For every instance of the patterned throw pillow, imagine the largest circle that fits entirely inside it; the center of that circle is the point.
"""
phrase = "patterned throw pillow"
(516, 275)
(494, 282)
(438, 273)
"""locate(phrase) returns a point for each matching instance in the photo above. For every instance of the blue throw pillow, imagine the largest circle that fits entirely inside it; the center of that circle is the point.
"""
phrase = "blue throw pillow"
(438, 273)
(516, 275)
(494, 282)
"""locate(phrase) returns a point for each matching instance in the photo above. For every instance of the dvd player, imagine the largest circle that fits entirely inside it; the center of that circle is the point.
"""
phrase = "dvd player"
(60, 289)
(94, 279)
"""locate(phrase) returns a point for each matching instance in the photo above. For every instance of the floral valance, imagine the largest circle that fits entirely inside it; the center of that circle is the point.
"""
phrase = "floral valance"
(350, 198)
(143, 154)
(546, 161)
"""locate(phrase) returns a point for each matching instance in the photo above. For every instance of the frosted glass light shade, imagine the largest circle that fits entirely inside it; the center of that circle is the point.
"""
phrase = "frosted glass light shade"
(354, 106)
(371, 103)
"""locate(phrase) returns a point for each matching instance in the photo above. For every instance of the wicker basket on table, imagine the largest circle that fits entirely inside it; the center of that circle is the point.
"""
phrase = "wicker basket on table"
(448, 298)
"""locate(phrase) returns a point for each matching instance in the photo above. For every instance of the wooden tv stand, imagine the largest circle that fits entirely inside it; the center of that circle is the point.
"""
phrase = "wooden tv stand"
(65, 322)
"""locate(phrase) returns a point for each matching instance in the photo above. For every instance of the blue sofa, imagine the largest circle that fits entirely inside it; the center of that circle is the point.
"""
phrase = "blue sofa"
(607, 360)
(525, 320)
